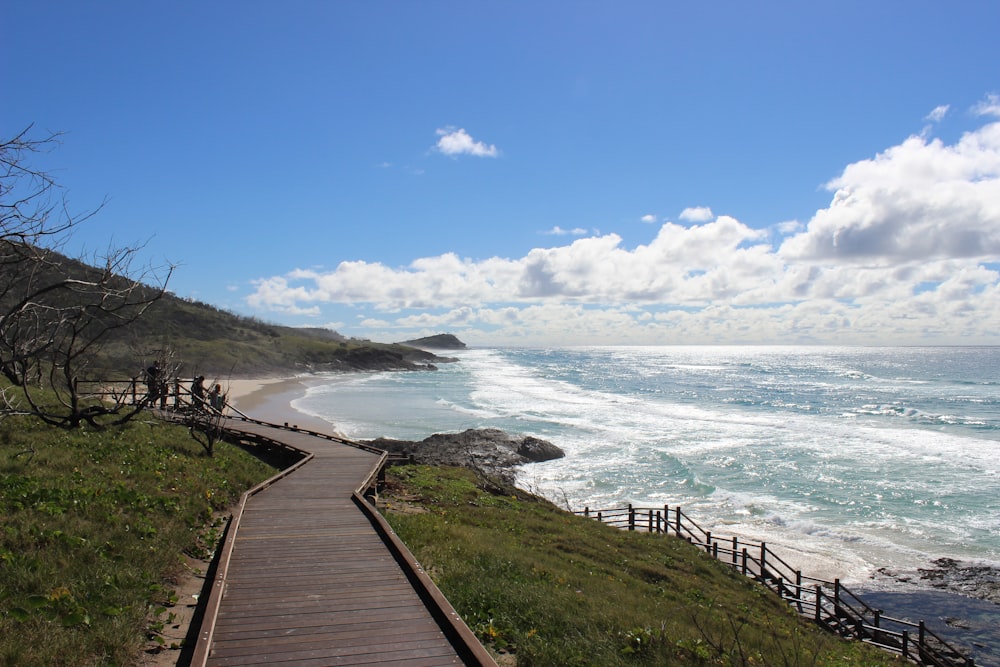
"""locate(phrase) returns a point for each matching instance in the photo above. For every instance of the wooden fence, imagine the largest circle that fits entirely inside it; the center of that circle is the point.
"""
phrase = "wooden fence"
(829, 603)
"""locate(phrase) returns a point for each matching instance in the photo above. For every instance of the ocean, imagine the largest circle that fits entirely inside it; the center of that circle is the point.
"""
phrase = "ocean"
(848, 461)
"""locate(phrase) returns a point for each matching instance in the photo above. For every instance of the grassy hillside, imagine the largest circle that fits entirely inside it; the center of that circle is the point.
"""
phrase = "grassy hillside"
(201, 339)
(216, 343)
(544, 587)
(93, 528)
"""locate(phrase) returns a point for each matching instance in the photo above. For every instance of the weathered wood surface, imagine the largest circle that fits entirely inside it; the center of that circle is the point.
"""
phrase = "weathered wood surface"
(310, 581)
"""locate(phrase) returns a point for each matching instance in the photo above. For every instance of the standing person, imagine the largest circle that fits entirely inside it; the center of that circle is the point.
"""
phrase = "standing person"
(198, 392)
(216, 398)
(153, 381)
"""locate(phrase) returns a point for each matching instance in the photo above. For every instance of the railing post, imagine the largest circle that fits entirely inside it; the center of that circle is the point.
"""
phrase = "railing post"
(836, 595)
(586, 511)
(677, 514)
(736, 546)
(659, 522)
(650, 522)
(920, 634)
(708, 541)
(906, 644)
(745, 557)
(631, 517)
(763, 559)
(819, 604)
(666, 519)
(798, 589)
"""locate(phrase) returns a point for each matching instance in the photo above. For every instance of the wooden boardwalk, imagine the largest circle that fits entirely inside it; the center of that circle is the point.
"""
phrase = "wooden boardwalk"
(311, 575)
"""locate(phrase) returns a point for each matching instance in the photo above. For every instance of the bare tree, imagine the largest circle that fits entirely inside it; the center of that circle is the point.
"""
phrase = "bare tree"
(56, 312)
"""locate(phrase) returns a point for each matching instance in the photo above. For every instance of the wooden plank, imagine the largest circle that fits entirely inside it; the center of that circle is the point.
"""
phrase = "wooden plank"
(311, 582)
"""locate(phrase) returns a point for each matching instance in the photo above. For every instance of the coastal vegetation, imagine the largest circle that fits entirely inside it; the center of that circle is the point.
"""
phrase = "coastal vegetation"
(97, 528)
(541, 586)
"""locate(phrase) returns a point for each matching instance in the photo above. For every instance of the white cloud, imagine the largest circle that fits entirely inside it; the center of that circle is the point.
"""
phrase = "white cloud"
(649, 218)
(917, 201)
(988, 107)
(458, 142)
(938, 113)
(696, 214)
(559, 231)
(906, 252)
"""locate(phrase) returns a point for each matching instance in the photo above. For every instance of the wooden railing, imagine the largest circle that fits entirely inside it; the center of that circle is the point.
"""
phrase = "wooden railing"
(829, 603)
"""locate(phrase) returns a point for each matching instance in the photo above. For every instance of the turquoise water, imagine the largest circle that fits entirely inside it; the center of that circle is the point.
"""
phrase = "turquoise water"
(850, 458)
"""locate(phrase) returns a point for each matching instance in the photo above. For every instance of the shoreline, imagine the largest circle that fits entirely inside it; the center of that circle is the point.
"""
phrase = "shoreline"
(964, 619)
(270, 400)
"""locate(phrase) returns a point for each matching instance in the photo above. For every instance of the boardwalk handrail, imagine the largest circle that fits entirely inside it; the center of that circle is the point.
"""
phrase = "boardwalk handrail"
(829, 603)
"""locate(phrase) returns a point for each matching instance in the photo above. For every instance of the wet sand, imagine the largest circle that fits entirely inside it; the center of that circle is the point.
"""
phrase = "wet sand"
(270, 400)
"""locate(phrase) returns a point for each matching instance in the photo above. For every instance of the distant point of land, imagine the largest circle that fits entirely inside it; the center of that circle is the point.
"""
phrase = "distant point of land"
(438, 342)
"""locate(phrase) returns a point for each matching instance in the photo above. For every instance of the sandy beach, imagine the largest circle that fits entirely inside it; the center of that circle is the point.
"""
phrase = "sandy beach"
(270, 400)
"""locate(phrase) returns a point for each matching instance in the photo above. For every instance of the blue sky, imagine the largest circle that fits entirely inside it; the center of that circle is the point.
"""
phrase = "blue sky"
(531, 173)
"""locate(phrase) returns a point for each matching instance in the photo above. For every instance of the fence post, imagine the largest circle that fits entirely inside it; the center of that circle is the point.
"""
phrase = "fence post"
(763, 558)
(906, 644)
(798, 589)
(819, 604)
(586, 511)
(631, 517)
(666, 519)
(659, 524)
(650, 522)
(920, 634)
(677, 513)
(745, 556)
(600, 516)
(736, 546)
(708, 541)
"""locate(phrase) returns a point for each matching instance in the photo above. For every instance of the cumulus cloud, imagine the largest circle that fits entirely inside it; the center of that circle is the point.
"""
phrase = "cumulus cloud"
(649, 218)
(696, 214)
(921, 200)
(453, 141)
(907, 251)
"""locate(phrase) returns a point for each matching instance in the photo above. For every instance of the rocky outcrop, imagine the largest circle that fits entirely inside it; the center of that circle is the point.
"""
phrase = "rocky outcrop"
(947, 574)
(438, 342)
(488, 450)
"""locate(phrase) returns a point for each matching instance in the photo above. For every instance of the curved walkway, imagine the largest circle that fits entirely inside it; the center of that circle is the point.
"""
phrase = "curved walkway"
(310, 574)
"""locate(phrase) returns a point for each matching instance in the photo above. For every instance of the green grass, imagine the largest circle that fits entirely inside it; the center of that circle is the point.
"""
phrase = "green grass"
(555, 589)
(93, 525)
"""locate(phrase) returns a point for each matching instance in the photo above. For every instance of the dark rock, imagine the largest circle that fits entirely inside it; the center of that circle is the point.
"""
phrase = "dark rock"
(488, 450)
(947, 574)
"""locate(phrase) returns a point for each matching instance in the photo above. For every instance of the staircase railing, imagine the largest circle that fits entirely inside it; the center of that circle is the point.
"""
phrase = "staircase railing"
(829, 603)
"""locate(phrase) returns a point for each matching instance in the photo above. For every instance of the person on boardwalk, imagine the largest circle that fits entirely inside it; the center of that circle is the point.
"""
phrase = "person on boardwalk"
(198, 393)
(216, 398)
(153, 383)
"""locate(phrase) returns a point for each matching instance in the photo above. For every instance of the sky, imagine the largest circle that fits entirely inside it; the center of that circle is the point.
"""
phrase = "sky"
(535, 173)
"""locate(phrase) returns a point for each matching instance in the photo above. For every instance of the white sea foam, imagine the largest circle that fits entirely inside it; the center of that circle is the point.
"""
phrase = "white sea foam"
(860, 458)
